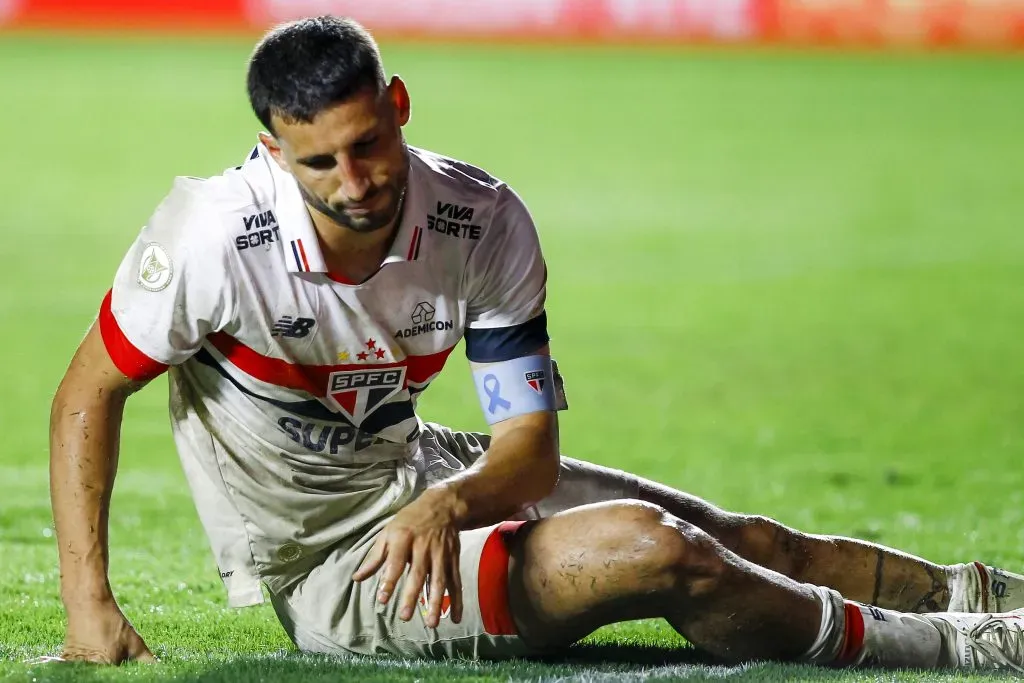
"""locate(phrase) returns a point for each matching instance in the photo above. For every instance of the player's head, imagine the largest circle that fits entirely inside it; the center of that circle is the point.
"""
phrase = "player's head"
(335, 123)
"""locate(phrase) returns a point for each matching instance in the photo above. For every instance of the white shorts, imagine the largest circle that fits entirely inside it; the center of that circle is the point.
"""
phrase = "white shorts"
(328, 612)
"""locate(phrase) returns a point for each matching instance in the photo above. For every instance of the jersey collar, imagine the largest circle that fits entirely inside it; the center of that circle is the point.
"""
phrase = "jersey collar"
(302, 248)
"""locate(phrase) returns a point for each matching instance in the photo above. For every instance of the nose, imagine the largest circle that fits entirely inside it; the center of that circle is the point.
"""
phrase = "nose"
(355, 181)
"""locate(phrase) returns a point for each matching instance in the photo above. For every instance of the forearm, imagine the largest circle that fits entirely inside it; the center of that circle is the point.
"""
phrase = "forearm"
(84, 428)
(519, 469)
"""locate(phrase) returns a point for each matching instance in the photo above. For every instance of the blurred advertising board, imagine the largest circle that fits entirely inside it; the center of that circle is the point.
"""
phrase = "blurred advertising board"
(946, 23)
(537, 19)
(985, 23)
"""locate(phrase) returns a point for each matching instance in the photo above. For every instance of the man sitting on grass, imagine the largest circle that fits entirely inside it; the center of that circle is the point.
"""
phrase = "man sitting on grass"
(302, 301)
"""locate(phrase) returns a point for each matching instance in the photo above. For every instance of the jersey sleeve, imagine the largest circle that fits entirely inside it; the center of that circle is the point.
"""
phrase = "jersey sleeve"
(507, 286)
(172, 289)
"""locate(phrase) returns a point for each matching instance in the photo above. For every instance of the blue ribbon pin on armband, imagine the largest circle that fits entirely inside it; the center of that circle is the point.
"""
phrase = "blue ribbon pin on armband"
(515, 387)
(492, 387)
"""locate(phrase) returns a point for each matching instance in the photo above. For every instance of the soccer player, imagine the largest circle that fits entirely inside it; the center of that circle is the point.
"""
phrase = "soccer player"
(302, 301)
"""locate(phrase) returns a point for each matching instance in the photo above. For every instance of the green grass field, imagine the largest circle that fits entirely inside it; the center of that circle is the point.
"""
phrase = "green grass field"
(790, 283)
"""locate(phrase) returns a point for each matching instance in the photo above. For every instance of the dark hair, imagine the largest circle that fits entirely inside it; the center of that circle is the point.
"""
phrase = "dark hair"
(300, 68)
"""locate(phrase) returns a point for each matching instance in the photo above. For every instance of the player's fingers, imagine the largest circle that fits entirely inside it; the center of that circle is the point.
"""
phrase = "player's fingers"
(394, 565)
(455, 584)
(140, 652)
(414, 581)
(438, 585)
(373, 560)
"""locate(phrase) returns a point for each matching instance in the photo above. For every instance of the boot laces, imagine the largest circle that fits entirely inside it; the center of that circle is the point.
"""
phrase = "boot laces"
(1000, 639)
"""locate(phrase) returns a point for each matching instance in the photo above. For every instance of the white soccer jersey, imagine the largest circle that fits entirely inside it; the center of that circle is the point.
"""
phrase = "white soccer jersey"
(292, 393)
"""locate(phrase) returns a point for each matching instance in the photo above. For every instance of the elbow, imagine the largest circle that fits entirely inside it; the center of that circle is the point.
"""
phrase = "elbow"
(58, 408)
(547, 464)
(547, 473)
(78, 413)
(66, 405)
(64, 401)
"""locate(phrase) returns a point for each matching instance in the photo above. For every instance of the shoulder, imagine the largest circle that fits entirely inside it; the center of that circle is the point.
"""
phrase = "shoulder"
(204, 215)
(465, 199)
(457, 175)
(454, 188)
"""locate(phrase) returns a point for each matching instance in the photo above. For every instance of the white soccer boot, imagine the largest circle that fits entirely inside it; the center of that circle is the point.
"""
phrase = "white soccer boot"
(982, 641)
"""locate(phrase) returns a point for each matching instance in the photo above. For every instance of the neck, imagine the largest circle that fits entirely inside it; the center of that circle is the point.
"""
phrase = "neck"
(341, 242)
(353, 255)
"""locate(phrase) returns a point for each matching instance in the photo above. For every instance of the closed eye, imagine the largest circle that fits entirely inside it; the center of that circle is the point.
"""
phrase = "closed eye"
(366, 144)
(320, 162)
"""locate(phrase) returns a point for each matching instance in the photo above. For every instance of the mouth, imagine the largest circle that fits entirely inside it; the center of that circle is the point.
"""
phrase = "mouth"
(362, 208)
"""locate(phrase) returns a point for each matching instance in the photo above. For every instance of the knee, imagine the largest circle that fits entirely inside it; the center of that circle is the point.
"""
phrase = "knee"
(675, 555)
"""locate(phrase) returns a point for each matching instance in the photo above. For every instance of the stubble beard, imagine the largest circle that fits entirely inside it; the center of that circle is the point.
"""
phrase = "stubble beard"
(374, 221)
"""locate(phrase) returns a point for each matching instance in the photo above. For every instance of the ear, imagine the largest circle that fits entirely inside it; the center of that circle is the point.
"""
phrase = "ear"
(274, 147)
(400, 100)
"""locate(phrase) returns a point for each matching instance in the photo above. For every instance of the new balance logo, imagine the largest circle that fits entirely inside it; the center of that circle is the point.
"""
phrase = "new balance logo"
(292, 327)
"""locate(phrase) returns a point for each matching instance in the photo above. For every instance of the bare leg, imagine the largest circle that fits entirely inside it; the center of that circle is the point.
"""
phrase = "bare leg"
(598, 564)
(862, 571)
(592, 565)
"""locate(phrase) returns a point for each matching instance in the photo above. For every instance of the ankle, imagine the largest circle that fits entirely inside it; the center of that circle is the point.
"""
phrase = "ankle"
(831, 644)
(979, 588)
(968, 587)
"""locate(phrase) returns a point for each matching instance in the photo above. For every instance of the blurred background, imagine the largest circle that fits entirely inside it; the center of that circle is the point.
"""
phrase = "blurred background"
(785, 242)
(984, 23)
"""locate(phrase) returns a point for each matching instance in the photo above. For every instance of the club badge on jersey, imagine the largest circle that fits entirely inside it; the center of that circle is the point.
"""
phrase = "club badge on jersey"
(519, 386)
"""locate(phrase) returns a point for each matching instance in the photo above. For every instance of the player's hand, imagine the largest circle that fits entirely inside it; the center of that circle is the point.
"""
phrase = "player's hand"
(423, 536)
(101, 634)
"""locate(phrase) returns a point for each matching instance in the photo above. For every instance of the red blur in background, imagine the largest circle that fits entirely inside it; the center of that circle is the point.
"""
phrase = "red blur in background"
(988, 24)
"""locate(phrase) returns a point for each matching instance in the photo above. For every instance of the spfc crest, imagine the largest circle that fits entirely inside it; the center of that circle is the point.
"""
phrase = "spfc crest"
(360, 392)
(536, 380)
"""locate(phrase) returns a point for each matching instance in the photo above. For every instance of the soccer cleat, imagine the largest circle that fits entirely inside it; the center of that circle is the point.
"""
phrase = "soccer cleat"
(982, 641)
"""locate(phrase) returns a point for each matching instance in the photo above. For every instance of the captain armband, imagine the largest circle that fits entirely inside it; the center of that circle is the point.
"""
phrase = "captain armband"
(519, 386)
